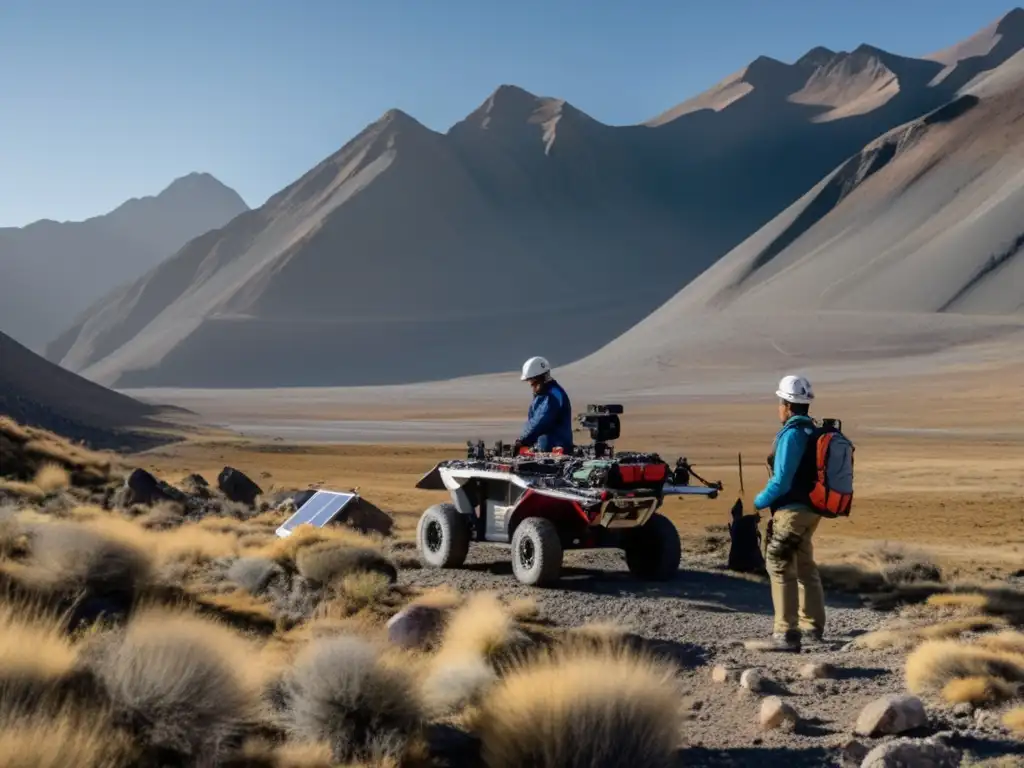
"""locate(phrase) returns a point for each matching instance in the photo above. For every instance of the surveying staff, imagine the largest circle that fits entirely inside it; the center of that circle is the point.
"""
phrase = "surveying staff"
(797, 594)
(549, 420)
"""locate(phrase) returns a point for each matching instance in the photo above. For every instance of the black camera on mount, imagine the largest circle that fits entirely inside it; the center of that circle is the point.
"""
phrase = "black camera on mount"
(602, 421)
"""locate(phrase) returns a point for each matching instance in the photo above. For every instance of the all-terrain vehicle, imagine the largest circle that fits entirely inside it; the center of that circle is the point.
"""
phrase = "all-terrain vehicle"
(545, 503)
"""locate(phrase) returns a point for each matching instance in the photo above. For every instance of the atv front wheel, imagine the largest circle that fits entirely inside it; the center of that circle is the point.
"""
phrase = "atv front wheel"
(536, 552)
(653, 551)
(442, 537)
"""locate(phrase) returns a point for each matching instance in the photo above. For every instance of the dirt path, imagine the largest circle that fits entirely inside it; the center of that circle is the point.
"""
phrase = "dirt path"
(697, 620)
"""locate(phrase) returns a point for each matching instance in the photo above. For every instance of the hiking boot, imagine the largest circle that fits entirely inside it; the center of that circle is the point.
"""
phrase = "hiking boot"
(812, 637)
(779, 641)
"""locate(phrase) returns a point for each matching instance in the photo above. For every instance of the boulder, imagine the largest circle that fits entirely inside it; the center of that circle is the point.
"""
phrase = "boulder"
(367, 518)
(752, 680)
(416, 626)
(775, 713)
(891, 715)
(913, 753)
(237, 487)
(196, 485)
(143, 488)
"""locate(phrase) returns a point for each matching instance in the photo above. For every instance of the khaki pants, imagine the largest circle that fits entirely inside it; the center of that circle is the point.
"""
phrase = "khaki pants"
(796, 586)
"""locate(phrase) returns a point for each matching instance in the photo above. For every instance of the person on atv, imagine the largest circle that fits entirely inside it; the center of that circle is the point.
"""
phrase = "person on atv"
(549, 420)
(797, 594)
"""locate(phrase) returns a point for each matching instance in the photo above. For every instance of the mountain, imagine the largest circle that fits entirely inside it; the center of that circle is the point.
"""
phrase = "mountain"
(38, 393)
(55, 270)
(526, 228)
(912, 245)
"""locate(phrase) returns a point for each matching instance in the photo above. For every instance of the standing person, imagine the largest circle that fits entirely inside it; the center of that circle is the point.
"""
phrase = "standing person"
(797, 594)
(549, 420)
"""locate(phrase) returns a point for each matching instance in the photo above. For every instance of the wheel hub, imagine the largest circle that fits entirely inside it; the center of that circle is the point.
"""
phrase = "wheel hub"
(527, 553)
(433, 536)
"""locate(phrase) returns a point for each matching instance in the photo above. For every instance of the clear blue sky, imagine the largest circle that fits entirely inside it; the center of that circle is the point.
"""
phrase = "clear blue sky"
(102, 100)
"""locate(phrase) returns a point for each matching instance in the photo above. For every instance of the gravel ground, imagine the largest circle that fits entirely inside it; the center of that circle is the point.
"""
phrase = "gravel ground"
(698, 619)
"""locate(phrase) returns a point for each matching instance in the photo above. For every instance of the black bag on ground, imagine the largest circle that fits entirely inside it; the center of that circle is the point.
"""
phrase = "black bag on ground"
(745, 542)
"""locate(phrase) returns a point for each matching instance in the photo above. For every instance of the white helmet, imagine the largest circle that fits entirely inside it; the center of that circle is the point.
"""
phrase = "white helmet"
(795, 389)
(534, 367)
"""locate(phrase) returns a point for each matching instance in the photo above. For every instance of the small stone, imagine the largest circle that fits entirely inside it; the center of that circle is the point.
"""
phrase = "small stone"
(722, 674)
(920, 753)
(752, 681)
(891, 714)
(820, 671)
(775, 713)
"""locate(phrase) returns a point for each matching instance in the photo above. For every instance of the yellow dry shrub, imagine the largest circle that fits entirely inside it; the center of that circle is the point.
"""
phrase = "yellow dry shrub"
(34, 645)
(63, 739)
(937, 662)
(482, 627)
(51, 478)
(1014, 720)
(978, 690)
(600, 707)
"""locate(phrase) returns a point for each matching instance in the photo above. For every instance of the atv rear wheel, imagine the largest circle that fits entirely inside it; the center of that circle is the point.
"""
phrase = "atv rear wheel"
(536, 552)
(653, 551)
(442, 537)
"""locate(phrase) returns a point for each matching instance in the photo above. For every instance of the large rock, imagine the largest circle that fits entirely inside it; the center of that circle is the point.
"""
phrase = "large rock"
(913, 753)
(196, 485)
(367, 518)
(238, 487)
(891, 714)
(775, 713)
(752, 680)
(416, 626)
(143, 488)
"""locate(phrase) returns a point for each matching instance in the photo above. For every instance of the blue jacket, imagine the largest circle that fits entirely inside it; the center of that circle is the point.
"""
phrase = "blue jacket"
(790, 443)
(549, 420)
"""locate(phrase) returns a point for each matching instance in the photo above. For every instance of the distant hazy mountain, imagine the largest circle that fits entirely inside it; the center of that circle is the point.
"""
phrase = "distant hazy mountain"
(914, 244)
(38, 393)
(52, 271)
(527, 228)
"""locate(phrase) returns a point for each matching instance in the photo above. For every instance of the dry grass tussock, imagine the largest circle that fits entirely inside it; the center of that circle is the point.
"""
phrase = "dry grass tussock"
(1005, 602)
(285, 550)
(51, 478)
(68, 737)
(1014, 720)
(882, 570)
(181, 682)
(936, 663)
(264, 754)
(28, 492)
(330, 561)
(341, 691)
(580, 709)
(978, 690)
(36, 655)
(71, 558)
(481, 628)
(25, 450)
(906, 637)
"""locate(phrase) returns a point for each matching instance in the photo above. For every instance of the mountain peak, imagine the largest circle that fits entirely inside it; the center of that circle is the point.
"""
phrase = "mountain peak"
(1014, 16)
(193, 182)
(816, 57)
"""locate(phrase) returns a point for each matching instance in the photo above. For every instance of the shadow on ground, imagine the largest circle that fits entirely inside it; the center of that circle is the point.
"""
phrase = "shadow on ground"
(704, 590)
(763, 757)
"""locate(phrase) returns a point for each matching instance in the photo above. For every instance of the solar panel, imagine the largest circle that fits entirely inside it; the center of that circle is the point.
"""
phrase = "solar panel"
(319, 510)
